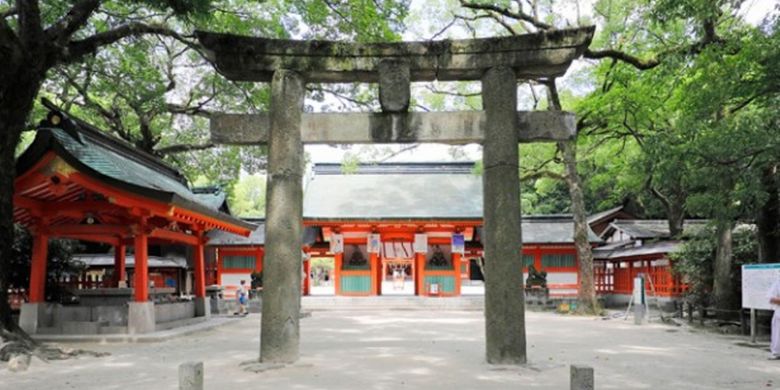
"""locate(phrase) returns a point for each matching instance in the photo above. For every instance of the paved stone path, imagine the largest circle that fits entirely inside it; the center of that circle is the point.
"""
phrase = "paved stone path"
(393, 349)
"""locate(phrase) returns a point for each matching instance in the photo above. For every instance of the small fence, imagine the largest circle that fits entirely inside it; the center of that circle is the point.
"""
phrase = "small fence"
(83, 282)
(613, 279)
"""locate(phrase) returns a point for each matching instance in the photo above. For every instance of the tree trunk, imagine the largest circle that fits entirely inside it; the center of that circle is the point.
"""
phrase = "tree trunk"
(16, 103)
(587, 288)
(676, 216)
(724, 289)
(768, 219)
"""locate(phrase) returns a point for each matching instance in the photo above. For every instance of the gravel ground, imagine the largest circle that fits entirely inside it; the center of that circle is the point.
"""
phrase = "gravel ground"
(392, 349)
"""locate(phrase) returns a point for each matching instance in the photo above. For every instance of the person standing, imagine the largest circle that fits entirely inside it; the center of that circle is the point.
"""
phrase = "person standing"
(774, 300)
(242, 294)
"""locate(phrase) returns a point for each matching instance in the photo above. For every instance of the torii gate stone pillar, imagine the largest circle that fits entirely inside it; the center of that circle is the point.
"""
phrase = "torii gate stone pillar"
(497, 62)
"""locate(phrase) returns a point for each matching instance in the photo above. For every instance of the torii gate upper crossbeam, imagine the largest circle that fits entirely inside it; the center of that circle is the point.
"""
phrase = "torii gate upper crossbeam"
(539, 55)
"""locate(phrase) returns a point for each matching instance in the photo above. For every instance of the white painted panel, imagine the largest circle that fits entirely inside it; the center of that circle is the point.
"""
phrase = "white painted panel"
(561, 277)
(230, 283)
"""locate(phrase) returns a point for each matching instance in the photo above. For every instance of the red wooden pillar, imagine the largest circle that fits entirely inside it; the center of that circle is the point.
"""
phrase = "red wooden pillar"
(337, 260)
(40, 253)
(141, 277)
(456, 259)
(200, 267)
(419, 279)
(119, 264)
(306, 276)
(376, 273)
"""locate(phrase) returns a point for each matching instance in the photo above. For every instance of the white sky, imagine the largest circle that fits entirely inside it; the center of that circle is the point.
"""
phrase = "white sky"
(427, 17)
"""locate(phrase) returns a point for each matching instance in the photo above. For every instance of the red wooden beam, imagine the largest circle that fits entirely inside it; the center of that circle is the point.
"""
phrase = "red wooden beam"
(105, 239)
(170, 235)
(97, 230)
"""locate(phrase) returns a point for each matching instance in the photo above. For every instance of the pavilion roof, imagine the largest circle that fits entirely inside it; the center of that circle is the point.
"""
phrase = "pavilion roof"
(627, 249)
(118, 165)
(548, 229)
(257, 237)
(213, 197)
(651, 228)
(420, 191)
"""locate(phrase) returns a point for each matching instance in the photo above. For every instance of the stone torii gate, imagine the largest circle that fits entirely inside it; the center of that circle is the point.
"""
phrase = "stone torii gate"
(498, 62)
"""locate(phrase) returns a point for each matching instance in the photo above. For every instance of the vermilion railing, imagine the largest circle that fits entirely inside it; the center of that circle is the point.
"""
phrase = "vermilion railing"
(615, 279)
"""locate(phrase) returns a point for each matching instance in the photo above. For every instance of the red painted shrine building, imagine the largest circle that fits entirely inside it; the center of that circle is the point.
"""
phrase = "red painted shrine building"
(399, 229)
(77, 182)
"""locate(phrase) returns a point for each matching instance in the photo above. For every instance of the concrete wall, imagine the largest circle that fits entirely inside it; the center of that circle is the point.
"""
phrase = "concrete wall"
(167, 312)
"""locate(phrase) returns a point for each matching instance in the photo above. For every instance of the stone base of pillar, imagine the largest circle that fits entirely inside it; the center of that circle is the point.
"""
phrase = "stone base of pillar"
(203, 307)
(34, 316)
(140, 317)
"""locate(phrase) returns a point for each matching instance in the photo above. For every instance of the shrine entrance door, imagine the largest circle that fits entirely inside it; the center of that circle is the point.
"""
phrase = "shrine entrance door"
(397, 276)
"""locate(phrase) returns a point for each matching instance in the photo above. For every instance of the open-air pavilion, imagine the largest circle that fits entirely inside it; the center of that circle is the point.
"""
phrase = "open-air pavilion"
(75, 181)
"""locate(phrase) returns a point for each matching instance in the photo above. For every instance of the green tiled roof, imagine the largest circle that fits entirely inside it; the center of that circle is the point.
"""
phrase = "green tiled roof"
(117, 164)
(397, 192)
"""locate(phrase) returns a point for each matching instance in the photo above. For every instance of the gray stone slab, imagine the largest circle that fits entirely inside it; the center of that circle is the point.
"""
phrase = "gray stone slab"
(167, 312)
(202, 307)
(455, 128)
(542, 54)
(582, 378)
(72, 313)
(34, 316)
(81, 327)
(191, 376)
(140, 318)
(113, 315)
(394, 85)
(108, 329)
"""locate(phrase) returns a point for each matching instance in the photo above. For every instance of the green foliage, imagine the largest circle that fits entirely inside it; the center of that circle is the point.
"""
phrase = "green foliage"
(694, 261)
(60, 262)
(248, 196)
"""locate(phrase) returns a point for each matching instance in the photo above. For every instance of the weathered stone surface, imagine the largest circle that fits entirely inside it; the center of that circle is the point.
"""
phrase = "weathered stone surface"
(34, 316)
(203, 307)
(19, 363)
(504, 303)
(191, 376)
(582, 378)
(456, 128)
(284, 222)
(543, 54)
(394, 85)
(140, 317)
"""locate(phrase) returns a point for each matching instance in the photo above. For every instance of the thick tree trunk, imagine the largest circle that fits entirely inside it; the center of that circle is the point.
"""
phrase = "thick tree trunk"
(768, 219)
(16, 102)
(587, 288)
(723, 288)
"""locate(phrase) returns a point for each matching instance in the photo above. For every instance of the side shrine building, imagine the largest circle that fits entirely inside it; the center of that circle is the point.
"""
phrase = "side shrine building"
(77, 182)
(399, 229)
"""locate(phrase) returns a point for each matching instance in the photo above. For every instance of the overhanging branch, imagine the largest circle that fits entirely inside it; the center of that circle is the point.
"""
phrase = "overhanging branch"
(181, 148)
(77, 49)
